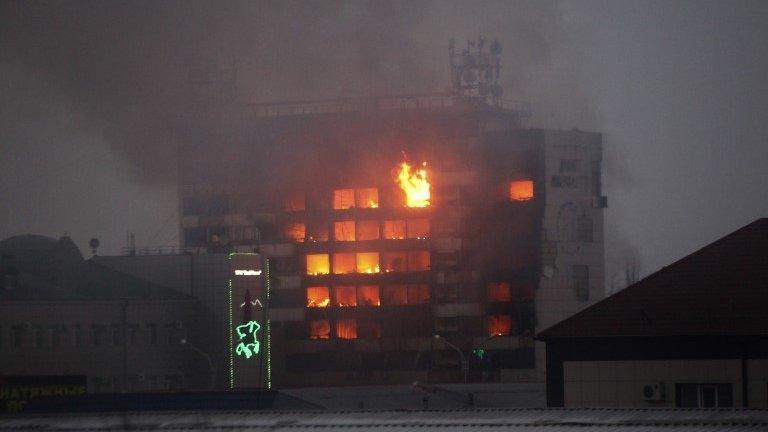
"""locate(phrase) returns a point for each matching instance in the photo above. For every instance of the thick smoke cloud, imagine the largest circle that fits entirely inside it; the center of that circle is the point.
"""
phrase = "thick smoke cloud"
(153, 75)
(97, 96)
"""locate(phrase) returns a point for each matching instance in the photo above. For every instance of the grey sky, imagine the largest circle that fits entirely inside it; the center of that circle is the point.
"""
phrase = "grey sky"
(95, 97)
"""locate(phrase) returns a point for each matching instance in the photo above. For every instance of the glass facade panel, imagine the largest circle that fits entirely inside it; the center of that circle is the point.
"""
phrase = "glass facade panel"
(343, 199)
(318, 296)
(345, 296)
(394, 229)
(317, 264)
(368, 262)
(343, 263)
(344, 231)
(367, 230)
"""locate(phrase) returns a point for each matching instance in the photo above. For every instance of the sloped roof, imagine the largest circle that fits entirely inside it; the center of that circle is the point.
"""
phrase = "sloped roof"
(50, 269)
(721, 289)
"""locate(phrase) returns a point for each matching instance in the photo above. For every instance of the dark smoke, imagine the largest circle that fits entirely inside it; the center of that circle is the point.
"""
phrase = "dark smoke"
(96, 97)
(151, 76)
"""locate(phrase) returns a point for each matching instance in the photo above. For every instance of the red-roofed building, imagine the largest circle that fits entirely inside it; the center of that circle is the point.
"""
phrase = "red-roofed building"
(695, 333)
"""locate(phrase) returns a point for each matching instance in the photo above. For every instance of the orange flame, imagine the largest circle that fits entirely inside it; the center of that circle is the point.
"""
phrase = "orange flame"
(414, 184)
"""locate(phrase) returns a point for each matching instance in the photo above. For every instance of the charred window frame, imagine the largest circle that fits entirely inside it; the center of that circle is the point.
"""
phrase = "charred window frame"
(367, 198)
(367, 230)
(580, 282)
(295, 202)
(283, 265)
(317, 232)
(319, 329)
(344, 231)
(318, 297)
(343, 199)
(345, 296)
(346, 328)
(294, 232)
(395, 229)
(317, 264)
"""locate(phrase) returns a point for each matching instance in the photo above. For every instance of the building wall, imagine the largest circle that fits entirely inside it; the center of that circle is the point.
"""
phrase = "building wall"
(573, 195)
(620, 383)
(115, 348)
(204, 276)
(474, 153)
(612, 371)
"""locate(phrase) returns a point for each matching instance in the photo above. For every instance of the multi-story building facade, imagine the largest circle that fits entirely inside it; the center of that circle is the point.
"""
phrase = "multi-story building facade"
(61, 315)
(368, 287)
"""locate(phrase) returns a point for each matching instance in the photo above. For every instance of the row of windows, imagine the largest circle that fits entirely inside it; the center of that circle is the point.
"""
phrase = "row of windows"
(505, 292)
(368, 262)
(342, 199)
(366, 198)
(351, 328)
(362, 230)
(22, 336)
(367, 295)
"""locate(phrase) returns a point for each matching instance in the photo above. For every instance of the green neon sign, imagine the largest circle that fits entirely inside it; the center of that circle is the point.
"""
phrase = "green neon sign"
(245, 347)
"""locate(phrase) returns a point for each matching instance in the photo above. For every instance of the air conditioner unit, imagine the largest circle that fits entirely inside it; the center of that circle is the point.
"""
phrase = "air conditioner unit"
(654, 392)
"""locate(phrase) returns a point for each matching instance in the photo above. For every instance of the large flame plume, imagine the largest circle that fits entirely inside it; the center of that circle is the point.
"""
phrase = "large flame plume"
(415, 185)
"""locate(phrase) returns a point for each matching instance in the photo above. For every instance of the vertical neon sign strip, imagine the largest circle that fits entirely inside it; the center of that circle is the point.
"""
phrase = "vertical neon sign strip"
(231, 340)
(268, 284)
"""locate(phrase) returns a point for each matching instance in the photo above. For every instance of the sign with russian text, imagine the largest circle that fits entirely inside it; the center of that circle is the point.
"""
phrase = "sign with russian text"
(16, 392)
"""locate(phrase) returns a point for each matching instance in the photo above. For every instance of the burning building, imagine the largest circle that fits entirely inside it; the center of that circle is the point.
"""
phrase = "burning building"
(409, 238)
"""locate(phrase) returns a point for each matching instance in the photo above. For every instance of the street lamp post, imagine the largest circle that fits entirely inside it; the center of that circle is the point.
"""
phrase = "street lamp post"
(211, 369)
(464, 364)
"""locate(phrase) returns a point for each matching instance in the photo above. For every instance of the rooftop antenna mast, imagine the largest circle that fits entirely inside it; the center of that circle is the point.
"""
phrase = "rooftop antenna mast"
(475, 70)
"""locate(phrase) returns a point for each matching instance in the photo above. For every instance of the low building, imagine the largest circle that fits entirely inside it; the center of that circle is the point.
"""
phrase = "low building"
(62, 315)
(693, 334)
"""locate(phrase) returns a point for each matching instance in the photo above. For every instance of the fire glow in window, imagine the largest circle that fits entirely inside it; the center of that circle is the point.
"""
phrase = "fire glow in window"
(294, 201)
(367, 198)
(521, 190)
(368, 295)
(346, 329)
(319, 329)
(344, 231)
(418, 261)
(318, 296)
(394, 262)
(343, 263)
(395, 295)
(394, 229)
(343, 199)
(418, 228)
(318, 232)
(499, 292)
(345, 296)
(418, 294)
(368, 262)
(367, 230)
(499, 325)
(295, 232)
(317, 264)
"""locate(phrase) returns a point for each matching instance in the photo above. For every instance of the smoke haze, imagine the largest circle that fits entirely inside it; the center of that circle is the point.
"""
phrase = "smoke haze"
(97, 97)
